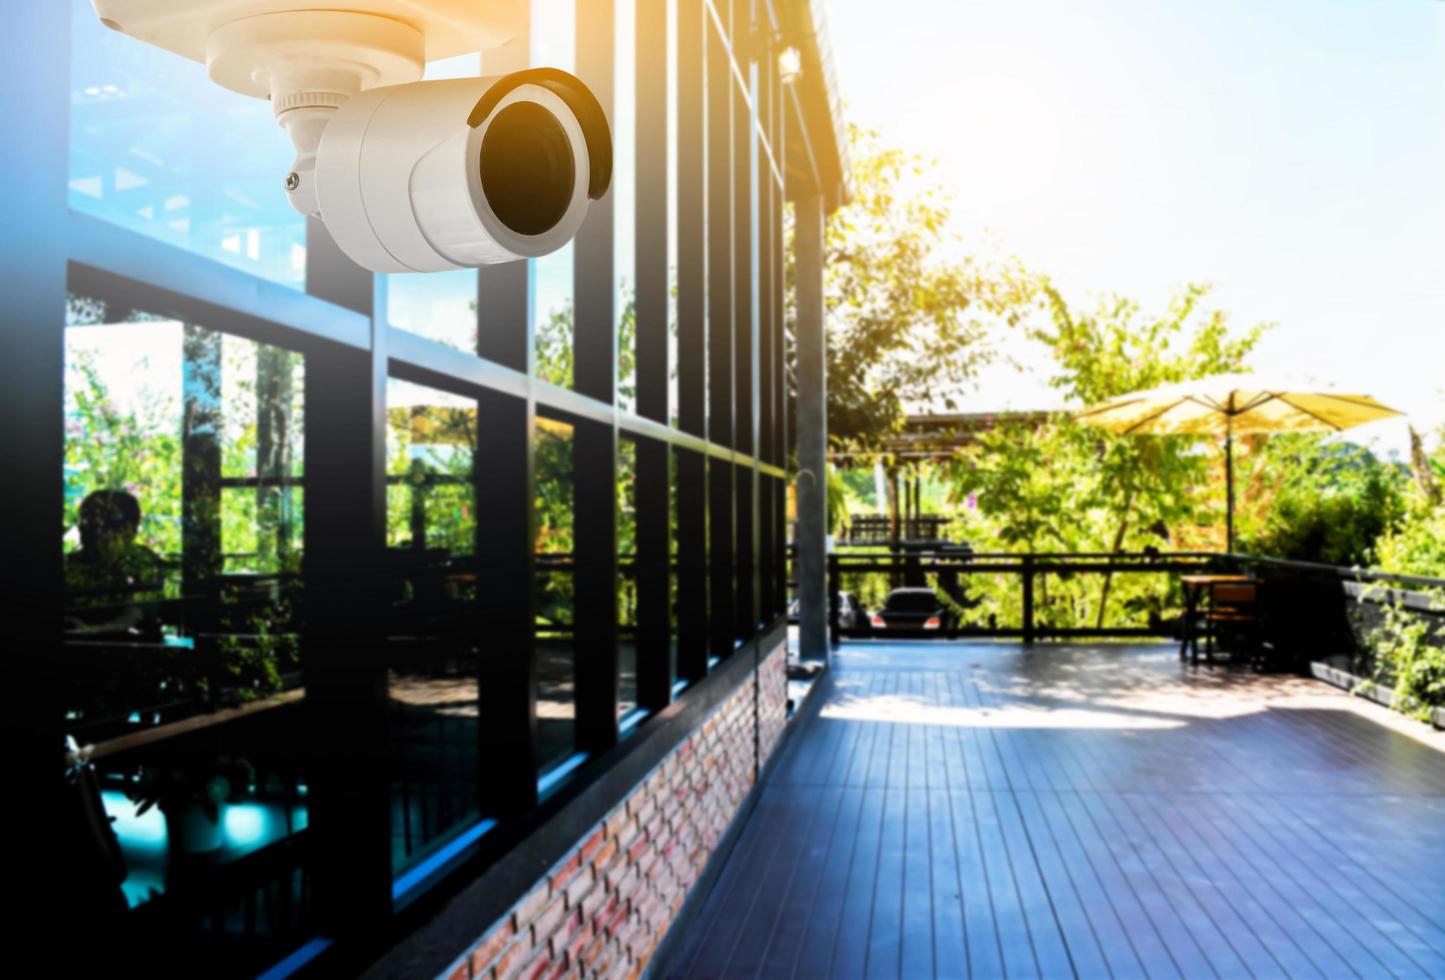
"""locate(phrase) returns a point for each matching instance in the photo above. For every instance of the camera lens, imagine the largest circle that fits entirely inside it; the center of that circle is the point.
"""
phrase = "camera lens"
(527, 168)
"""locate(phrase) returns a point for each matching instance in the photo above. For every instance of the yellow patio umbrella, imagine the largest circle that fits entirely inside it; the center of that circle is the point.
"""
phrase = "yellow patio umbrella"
(1230, 405)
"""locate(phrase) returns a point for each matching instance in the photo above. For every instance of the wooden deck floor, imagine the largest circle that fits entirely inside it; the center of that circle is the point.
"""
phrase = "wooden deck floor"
(976, 810)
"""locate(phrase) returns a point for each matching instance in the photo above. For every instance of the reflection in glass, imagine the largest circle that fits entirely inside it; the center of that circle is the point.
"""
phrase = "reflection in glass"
(441, 306)
(431, 529)
(554, 513)
(672, 577)
(183, 531)
(627, 575)
(159, 149)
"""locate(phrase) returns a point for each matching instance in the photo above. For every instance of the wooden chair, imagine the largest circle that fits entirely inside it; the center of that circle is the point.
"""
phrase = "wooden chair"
(1234, 616)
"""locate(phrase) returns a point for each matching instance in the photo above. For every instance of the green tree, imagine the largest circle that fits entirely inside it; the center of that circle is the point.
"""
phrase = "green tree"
(909, 314)
(1069, 486)
(1308, 499)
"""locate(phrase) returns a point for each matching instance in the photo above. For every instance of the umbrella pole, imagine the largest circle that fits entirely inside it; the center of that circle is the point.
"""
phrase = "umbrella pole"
(1229, 487)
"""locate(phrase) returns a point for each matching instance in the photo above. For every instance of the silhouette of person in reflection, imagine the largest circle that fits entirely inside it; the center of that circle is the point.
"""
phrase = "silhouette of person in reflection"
(112, 572)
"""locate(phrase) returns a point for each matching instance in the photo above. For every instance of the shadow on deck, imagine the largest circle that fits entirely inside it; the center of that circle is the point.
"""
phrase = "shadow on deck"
(988, 810)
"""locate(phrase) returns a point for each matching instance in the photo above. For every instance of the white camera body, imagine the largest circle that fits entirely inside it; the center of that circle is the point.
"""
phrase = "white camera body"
(408, 175)
(405, 183)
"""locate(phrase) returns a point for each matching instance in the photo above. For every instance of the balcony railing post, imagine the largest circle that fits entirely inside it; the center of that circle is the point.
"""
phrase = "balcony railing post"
(1028, 585)
(834, 603)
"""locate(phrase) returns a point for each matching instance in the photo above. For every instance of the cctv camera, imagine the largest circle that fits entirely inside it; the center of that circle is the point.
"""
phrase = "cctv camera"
(409, 176)
(459, 173)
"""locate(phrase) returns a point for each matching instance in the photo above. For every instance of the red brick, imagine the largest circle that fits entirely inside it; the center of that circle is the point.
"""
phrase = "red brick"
(628, 832)
(638, 848)
(579, 941)
(604, 911)
(646, 861)
(529, 906)
(536, 967)
(512, 957)
(593, 845)
(602, 860)
(616, 819)
(623, 879)
(564, 932)
(489, 947)
(618, 921)
(593, 959)
(562, 874)
(462, 972)
(579, 888)
(546, 923)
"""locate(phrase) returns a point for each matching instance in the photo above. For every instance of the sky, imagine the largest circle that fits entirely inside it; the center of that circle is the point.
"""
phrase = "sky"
(1290, 152)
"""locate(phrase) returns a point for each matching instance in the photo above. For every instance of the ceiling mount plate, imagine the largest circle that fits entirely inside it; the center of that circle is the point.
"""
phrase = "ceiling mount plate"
(447, 27)
(283, 55)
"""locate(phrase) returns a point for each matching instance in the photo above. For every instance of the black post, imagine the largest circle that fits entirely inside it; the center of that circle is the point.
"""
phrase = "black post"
(692, 571)
(506, 590)
(652, 568)
(834, 601)
(1028, 584)
(1229, 488)
(594, 641)
(344, 652)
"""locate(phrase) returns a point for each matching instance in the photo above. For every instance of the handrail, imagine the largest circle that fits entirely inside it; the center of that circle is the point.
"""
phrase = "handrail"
(1027, 566)
(1343, 572)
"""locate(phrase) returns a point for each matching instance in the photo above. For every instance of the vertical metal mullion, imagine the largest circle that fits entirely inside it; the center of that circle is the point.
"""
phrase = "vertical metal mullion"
(721, 430)
(781, 451)
(506, 591)
(692, 347)
(653, 558)
(653, 570)
(595, 445)
(344, 568)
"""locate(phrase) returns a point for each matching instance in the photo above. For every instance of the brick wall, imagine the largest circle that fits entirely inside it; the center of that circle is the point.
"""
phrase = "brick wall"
(602, 911)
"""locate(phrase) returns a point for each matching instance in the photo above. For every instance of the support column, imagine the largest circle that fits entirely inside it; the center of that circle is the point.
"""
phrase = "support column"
(812, 431)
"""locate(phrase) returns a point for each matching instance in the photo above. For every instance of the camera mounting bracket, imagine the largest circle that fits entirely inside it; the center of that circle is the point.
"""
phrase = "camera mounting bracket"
(310, 61)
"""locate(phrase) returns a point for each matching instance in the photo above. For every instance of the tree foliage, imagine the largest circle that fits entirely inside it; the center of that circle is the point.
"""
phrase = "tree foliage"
(909, 316)
(1306, 499)
(1063, 486)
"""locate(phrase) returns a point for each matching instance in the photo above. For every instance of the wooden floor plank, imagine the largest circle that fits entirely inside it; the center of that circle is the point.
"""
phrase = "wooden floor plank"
(855, 924)
(986, 810)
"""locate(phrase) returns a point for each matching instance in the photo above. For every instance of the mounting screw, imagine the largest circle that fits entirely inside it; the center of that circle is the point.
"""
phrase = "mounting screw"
(293, 181)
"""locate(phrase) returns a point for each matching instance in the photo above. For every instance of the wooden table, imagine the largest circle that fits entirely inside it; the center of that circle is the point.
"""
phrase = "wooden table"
(1194, 586)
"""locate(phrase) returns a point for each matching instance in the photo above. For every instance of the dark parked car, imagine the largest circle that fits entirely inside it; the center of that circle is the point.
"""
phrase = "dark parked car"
(911, 609)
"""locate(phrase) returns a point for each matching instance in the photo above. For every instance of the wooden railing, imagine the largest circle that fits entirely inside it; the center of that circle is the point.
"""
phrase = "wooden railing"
(948, 571)
(1312, 610)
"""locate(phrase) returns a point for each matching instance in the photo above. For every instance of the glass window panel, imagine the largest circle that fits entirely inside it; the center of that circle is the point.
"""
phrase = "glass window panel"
(155, 146)
(554, 514)
(432, 651)
(182, 601)
(624, 198)
(554, 45)
(627, 577)
(672, 578)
